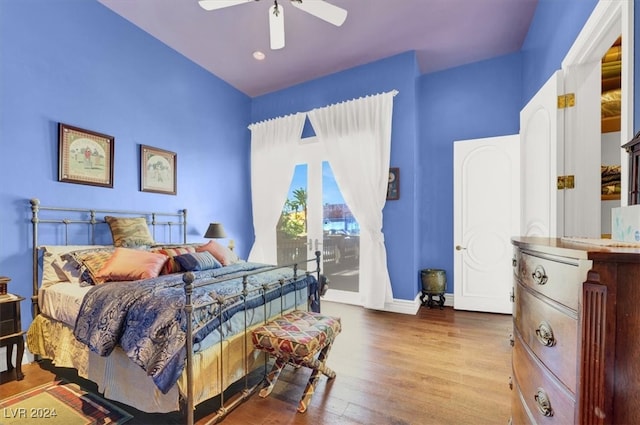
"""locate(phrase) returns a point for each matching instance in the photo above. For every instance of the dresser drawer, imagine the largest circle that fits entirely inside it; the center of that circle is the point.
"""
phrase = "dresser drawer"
(550, 331)
(559, 278)
(8, 321)
(542, 392)
(520, 414)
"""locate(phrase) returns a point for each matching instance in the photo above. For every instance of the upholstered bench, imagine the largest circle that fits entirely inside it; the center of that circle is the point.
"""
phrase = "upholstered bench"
(301, 338)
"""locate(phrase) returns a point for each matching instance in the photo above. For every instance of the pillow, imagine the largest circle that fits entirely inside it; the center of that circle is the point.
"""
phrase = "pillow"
(222, 253)
(70, 269)
(196, 261)
(172, 266)
(129, 231)
(50, 274)
(52, 254)
(90, 264)
(131, 264)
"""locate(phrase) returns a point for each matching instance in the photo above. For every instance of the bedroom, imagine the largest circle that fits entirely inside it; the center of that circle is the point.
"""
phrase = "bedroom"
(79, 63)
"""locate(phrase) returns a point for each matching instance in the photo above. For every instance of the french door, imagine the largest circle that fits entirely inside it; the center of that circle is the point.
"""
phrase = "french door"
(315, 217)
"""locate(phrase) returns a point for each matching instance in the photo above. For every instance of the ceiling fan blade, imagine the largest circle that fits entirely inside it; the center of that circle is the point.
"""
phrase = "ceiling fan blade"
(321, 9)
(219, 4)
(276, 27)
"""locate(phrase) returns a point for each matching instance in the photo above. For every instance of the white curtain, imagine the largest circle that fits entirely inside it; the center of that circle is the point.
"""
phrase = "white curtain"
(272, 168)
(357, 137)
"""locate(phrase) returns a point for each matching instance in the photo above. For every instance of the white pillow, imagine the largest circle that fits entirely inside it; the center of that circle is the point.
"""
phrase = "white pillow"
(68, 269)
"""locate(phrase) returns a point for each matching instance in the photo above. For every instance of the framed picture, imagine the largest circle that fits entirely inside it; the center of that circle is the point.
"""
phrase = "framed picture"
(158, 170)
(84, 157)
(393, 189)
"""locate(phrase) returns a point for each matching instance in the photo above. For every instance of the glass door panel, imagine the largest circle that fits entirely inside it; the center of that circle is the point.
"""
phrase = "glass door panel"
(341, 237)
(291, 231)
(315, 217)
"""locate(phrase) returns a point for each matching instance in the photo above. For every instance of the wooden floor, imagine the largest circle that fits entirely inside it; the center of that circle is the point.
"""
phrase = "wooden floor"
(437, 367)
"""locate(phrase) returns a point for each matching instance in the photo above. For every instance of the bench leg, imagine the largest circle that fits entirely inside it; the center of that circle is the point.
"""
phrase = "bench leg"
(273, 376)
(319, 366)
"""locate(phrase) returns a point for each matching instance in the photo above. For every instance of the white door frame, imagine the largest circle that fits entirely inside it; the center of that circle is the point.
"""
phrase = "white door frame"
(609, 19)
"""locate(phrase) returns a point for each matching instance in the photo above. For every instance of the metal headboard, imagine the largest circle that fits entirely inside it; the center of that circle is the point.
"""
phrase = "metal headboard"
(91, 218)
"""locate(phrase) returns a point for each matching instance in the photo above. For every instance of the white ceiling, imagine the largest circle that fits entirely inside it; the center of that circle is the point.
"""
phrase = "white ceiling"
(444, 34)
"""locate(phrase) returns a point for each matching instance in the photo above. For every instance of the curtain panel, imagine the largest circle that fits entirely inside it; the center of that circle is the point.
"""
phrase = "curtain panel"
(272, 168)
(357, 137)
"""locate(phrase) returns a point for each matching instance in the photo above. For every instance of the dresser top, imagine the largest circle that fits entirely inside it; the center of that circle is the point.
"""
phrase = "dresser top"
(592, 249)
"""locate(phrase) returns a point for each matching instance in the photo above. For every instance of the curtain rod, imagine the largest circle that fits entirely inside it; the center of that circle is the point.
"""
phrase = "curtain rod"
(393, 92)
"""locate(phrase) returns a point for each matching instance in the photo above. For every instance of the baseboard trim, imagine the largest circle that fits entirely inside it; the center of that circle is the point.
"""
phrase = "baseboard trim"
(395, 306)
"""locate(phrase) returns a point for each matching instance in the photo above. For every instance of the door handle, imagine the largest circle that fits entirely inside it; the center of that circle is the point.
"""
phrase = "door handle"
(460, 248)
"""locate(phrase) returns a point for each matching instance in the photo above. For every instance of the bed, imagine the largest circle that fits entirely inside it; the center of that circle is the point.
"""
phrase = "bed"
(158, 326)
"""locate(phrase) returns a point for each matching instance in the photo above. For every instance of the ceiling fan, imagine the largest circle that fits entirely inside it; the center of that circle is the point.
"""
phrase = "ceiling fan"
(319, 8)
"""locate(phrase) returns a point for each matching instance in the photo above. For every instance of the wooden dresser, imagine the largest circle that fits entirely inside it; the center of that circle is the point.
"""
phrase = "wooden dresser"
(576, 336)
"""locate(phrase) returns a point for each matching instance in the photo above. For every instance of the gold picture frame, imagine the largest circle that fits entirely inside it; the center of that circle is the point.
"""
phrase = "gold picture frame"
(393, 188)
(84, 156)
(158, 170)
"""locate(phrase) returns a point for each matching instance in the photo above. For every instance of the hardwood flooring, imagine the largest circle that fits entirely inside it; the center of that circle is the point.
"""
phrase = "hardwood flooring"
(437, 367)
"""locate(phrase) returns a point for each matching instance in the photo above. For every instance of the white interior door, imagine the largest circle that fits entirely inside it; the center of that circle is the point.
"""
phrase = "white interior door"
(541, 153)
(486, 216)
(582, 151)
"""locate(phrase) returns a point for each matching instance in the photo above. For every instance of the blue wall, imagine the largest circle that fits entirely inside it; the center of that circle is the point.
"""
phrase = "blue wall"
(554, 28)
(474, 101)
(75, 61)
(398, 72)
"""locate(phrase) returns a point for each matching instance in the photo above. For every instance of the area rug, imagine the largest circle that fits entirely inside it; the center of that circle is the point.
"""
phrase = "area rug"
(60, 403)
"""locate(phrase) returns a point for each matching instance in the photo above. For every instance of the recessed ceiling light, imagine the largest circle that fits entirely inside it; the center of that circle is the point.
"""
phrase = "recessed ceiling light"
(258, 55)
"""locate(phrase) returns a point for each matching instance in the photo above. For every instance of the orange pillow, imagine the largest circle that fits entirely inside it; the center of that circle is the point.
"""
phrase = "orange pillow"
(132, 264)
(222, 253)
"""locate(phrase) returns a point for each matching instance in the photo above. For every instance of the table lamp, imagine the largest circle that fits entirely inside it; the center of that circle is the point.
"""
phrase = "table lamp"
(216, 231)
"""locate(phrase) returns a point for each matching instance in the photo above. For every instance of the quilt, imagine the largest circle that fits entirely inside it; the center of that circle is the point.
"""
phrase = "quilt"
(147, 319)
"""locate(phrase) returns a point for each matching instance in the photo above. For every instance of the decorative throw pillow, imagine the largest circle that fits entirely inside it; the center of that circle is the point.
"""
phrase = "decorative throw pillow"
(129, 231)
(131, 264)
(222, 253)
(91, 263)
(198, 261)
(172, 266)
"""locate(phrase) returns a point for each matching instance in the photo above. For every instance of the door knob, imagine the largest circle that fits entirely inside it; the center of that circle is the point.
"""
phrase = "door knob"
(459, 248)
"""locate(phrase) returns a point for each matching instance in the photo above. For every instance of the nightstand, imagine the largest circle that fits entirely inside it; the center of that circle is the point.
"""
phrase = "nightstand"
(11, 331)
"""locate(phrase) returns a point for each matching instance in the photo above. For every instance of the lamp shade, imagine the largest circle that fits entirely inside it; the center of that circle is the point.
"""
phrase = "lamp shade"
(215, 231)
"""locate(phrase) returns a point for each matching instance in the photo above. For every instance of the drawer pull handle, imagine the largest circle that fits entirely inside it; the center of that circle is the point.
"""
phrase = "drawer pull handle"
(543, 403)
(539, 275)
(544, 333)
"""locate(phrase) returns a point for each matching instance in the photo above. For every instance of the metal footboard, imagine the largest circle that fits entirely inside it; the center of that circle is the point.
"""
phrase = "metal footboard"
(312, 302)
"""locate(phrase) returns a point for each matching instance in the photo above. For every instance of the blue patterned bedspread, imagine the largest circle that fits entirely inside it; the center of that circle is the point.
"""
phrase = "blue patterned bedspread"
(146, 317)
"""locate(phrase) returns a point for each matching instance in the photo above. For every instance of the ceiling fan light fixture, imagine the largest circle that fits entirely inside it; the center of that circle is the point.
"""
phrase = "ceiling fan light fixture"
(319, 8)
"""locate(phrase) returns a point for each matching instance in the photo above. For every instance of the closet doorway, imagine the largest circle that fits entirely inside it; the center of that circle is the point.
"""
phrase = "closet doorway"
(315, 217)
